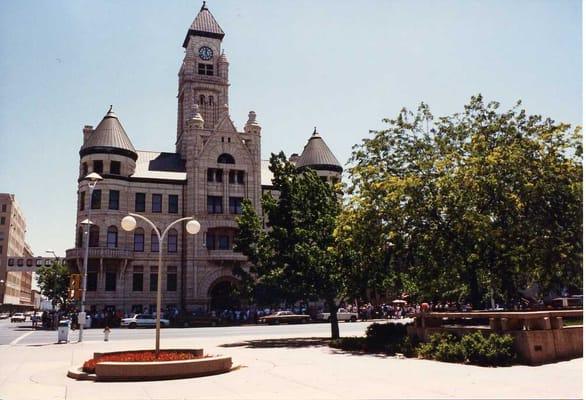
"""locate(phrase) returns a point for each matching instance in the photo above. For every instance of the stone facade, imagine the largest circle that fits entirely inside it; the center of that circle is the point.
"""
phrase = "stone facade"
(16, 286)
(214, 168)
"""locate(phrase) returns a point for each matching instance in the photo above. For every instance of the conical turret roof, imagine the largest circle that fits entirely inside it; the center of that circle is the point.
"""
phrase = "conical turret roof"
(109, 137)
(317, 155)
(204, 25)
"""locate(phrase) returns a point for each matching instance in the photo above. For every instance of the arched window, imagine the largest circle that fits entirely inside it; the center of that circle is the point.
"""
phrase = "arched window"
(94, 236)
(226, 158)
(202, 99)
(79, 241)
(112, 238)
(172, 241)
(154, 242)
(139, 239)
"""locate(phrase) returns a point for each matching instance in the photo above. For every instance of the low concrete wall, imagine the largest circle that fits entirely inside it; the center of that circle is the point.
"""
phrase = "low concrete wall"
(133, 371)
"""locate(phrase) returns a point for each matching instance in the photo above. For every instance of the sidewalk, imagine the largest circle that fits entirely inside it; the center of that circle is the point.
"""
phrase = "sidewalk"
(270, 369)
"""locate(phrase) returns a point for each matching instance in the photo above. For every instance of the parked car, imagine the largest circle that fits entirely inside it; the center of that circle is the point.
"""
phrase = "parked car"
(284, 317)
(18, 317)
(189, 320)
(143, 321)
(342, 314)
(4, 316)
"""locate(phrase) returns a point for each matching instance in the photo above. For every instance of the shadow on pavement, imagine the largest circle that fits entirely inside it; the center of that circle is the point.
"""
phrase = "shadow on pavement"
(276, 343)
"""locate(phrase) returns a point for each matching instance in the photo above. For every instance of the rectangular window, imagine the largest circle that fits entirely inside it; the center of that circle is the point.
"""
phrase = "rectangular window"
(232, 177)
(157, 203)
(219, 175)
(211, 173)
(154, 243)
(97, 199)
(210, 241)
(115, 167)
(140, 202)
(235, 205)
(215, 205)
(110, 281)
(98, 166)
(172, 244)
(173, 204)
(3, 207)
(81, 201)
(2, 220)
(223, 242)
(137, 280)
(114, 200)
(138, 241)
(205, 69)
(171, 279)
(92, 281)
(240, 177)
(154, 279)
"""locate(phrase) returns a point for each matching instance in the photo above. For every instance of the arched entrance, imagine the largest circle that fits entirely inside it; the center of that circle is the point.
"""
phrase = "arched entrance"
(224, 295)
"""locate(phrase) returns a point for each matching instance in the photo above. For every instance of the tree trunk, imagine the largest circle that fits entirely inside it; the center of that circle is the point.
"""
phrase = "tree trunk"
(334, 319)
(475, 297)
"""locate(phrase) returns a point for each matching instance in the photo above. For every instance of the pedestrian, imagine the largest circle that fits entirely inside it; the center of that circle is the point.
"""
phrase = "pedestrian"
(106, 333)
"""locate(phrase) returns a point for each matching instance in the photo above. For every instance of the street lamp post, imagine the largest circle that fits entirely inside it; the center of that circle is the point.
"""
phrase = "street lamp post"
(93, 181)
(129, 224)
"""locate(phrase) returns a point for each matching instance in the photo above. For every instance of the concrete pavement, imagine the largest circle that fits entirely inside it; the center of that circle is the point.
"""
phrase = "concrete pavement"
(284, 369)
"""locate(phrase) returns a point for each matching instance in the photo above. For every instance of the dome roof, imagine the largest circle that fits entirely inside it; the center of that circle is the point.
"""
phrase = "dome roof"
(109, 137)
(317, 155)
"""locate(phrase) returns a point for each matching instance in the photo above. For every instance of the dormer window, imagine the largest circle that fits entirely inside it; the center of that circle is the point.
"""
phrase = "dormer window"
(205, 69)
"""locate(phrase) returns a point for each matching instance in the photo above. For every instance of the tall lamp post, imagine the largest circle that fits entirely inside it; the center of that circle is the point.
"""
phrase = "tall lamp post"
(93, 181)
(129, 224)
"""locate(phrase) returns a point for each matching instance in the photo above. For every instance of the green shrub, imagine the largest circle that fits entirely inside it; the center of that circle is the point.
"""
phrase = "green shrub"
(351, 343)
(442, 347)
(474, 348)
(388, 337)
(488, 350)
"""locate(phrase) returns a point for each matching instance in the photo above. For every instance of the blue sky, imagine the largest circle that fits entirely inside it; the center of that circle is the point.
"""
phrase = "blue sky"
(339, 65)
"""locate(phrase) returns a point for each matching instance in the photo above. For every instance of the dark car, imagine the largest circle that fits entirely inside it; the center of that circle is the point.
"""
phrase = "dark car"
(192, 320)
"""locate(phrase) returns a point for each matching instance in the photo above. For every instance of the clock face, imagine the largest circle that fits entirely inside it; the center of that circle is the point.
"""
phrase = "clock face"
(205, 53)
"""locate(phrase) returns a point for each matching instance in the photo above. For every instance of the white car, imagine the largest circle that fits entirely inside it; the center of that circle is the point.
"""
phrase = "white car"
(18, 317)
(143, 321)
(342, 314)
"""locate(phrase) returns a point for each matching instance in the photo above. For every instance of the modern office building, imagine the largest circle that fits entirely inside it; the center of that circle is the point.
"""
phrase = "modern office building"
(215, 166)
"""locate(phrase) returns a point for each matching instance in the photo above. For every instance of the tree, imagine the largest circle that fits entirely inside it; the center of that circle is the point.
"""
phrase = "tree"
(54, 283)
(467, 205)
(296, 256)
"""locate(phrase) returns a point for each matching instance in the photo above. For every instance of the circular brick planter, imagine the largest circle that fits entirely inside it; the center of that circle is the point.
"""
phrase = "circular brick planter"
(154, 370)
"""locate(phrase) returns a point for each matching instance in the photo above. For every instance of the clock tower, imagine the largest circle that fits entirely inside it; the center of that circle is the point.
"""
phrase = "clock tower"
(203, 76)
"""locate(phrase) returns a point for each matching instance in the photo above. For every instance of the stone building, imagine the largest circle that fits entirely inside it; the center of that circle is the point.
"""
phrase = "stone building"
(215, 166)
(15, 287)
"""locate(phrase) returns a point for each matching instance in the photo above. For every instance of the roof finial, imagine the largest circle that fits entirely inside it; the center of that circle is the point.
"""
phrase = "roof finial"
(110, 110)
(315, 130)
(203, 6)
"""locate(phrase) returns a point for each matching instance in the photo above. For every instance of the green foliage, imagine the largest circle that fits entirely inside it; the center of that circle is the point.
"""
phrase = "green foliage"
(54, 281)
(296, 258)
(488, 350)
(386, 338)
(351, 343)
(475, 348)
(464, 205)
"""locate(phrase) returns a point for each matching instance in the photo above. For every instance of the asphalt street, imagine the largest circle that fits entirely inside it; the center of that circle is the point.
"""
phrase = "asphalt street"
(23, 334)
